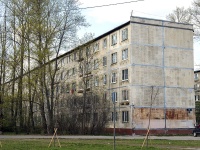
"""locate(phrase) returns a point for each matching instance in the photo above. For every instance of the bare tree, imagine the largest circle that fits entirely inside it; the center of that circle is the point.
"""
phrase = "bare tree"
(180, 15)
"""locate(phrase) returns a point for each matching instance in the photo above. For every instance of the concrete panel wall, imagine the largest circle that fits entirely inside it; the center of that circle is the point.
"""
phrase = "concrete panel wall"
(176, 77)
(142, 96)
(147, 55)
(147, 75)
(180, 98)
(178, 58)
(145, 34)
(178, 38)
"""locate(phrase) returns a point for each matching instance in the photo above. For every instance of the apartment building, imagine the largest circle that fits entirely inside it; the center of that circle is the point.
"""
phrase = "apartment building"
(144, 66)
(197, 85)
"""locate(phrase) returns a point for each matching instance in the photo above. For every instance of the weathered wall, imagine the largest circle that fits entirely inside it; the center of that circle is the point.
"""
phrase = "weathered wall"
(162, 57)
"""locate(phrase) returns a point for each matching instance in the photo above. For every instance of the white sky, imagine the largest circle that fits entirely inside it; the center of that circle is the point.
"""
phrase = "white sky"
(103, 19)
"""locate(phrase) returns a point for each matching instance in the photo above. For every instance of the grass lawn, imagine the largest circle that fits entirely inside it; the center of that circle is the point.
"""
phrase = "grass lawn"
(80, 144)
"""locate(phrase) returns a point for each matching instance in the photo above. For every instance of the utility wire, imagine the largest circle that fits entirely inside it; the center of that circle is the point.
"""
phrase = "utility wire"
(111, 4)
(93, 6)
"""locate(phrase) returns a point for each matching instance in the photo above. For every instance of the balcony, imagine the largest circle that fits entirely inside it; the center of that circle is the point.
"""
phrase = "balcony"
(125, 102)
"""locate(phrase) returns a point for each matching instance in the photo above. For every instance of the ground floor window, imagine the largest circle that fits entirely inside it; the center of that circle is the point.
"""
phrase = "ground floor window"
(125, 116)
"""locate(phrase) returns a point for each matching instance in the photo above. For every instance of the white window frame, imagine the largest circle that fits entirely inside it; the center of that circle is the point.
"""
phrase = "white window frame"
(104, 61)
(125, 94)
(124, 74)
(114, 77)
(124, 34)
(114, 39)
(114, 96)
(114, 58)
(125, 116)
(125, 54)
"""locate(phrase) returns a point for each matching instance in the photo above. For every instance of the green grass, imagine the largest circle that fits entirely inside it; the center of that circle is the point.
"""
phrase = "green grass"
(80, 144)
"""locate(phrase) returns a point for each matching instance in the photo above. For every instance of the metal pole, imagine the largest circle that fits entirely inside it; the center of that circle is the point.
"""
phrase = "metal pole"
(114, 118)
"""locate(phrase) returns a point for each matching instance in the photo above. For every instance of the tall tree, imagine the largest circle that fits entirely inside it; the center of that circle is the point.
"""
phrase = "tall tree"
(3, 56)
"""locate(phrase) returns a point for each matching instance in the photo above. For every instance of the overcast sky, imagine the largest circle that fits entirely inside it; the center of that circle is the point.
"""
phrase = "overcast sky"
(103, 19)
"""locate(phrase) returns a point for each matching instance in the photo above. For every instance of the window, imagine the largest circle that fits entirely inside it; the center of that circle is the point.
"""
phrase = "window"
(96, 47)
(73, 71)
(88, 67)
(114, 96)
(124, 34)
(87, 84)
(96, 64)
(112, 117)
(67, 73)
(125, 95)
(62, 89)
(68, 58)
(61, 75)
(62, 61)
(125, 54)
(114, 58)
(125, 74)
(75, 56)
(104, 61)
(67, 88)
(196, 86)
(125, 116)
(104, 79)
(96, 81)
(196, 76)
(114, 39)
(105, 43)
(113, 78)
(81, 70)
(74, 86)
(80, 54)
(87, 51)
